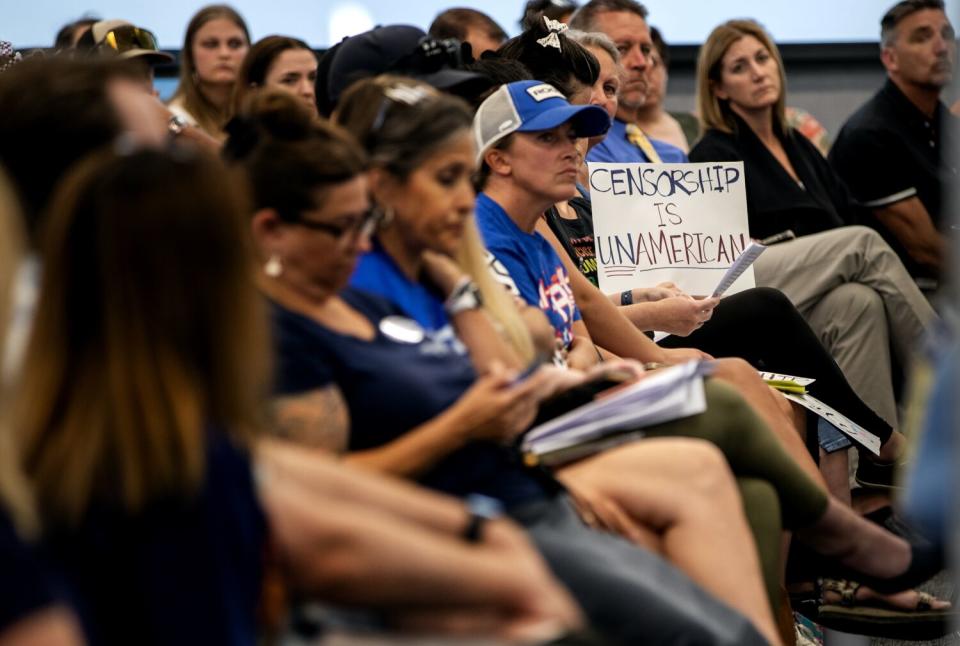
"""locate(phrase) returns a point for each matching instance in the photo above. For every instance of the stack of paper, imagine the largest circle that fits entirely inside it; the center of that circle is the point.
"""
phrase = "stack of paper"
(661, 396)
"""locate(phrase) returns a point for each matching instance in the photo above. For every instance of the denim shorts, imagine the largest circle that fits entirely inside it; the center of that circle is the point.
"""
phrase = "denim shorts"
(831, 439)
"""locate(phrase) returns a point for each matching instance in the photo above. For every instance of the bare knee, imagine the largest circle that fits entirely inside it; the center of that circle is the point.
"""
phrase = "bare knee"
(708, 472)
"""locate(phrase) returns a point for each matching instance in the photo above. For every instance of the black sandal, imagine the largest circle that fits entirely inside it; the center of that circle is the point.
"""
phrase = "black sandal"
(876, 618)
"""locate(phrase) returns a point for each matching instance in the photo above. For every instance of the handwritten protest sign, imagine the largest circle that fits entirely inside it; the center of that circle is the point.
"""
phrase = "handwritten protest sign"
(685, 223)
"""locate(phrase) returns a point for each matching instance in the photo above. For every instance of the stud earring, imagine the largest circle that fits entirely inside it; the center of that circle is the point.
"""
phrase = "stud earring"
(273, 267)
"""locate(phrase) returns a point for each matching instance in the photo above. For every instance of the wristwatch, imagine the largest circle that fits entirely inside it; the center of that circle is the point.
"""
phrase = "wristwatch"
(480, 509)
(465, 296)
(626, 297)
(175, 125)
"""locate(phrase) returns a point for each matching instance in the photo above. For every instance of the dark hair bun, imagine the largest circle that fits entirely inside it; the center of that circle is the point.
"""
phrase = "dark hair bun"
(267, 115)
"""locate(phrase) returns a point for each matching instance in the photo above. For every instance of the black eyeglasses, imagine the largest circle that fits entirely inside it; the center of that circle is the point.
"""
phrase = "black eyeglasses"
(362, 227)
(127, 37)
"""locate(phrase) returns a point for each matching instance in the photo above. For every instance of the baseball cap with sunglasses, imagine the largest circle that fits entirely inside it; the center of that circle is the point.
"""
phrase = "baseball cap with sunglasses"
(125, 40)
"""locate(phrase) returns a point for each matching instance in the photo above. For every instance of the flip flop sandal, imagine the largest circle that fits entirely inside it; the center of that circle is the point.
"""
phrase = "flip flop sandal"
(874, 618)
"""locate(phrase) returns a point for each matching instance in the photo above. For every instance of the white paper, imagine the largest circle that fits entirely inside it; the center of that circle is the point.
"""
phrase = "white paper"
(740, 265)
(843, 423)
(664, 395)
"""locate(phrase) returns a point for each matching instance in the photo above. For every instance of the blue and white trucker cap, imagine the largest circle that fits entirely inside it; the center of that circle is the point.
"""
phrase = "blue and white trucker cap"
(532, 106)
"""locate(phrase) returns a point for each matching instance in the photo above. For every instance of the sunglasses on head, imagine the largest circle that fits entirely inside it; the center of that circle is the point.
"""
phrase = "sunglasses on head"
(432, 55)
(127, 37)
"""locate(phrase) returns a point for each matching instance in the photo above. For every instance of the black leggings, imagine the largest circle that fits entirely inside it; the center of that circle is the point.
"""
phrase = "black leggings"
(763, 327)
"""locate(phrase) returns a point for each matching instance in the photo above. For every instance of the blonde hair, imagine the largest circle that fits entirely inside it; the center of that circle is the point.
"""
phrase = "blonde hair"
(209, 117)
(497, 301)
(15, 494)
(149, 334)
(714, 112)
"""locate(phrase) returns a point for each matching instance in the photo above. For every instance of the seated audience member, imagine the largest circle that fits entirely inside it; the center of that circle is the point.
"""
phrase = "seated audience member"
(30, 611)
(102, 101)
(122, 40)
(82, 105)
(278, 62)
(160, 510)
(845, 280)
(435, 420)
(894, 151)
(406, 266)
(624, 22)
(396, 49)
(469, 26)
(679, 129)
(71, 32)
(215, 43)
(589, 74)
(535, 10)
(514, 181)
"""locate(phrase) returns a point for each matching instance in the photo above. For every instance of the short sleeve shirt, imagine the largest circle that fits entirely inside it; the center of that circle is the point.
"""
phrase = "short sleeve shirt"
(616, 148)
(535, 270)
(889, 151)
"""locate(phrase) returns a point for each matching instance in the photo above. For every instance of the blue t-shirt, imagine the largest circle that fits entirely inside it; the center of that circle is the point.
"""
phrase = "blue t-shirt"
(179, 572)
(377, 273)
(391, 386)
(616, 148)
(534, 270)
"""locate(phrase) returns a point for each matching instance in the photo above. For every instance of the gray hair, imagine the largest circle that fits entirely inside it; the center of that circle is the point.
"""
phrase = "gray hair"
(596, 39)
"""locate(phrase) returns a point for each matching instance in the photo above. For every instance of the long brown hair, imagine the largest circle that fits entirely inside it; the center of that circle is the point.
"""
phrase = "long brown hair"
(715, 112)
(209, 117)
(148, 333)
(16, 498)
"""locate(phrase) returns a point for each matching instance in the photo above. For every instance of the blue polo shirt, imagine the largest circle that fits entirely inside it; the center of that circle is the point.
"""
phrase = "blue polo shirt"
(534, 268)
(616, 148)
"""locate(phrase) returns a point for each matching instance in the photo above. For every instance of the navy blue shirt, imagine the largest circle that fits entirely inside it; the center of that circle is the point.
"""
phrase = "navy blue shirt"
(390, 387)
(180, 572)
(24, 584)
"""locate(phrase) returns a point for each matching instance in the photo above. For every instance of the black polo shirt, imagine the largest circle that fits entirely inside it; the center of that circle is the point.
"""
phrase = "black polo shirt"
(889, 151)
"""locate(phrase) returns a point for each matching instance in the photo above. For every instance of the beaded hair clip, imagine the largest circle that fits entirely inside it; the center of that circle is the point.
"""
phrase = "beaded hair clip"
(8, 57)
(552, 39)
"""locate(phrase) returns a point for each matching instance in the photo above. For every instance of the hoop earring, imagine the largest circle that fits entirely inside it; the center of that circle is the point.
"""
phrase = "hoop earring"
(273, 267)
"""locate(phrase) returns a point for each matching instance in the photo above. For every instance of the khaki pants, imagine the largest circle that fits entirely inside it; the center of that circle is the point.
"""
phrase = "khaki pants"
(854, 292)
